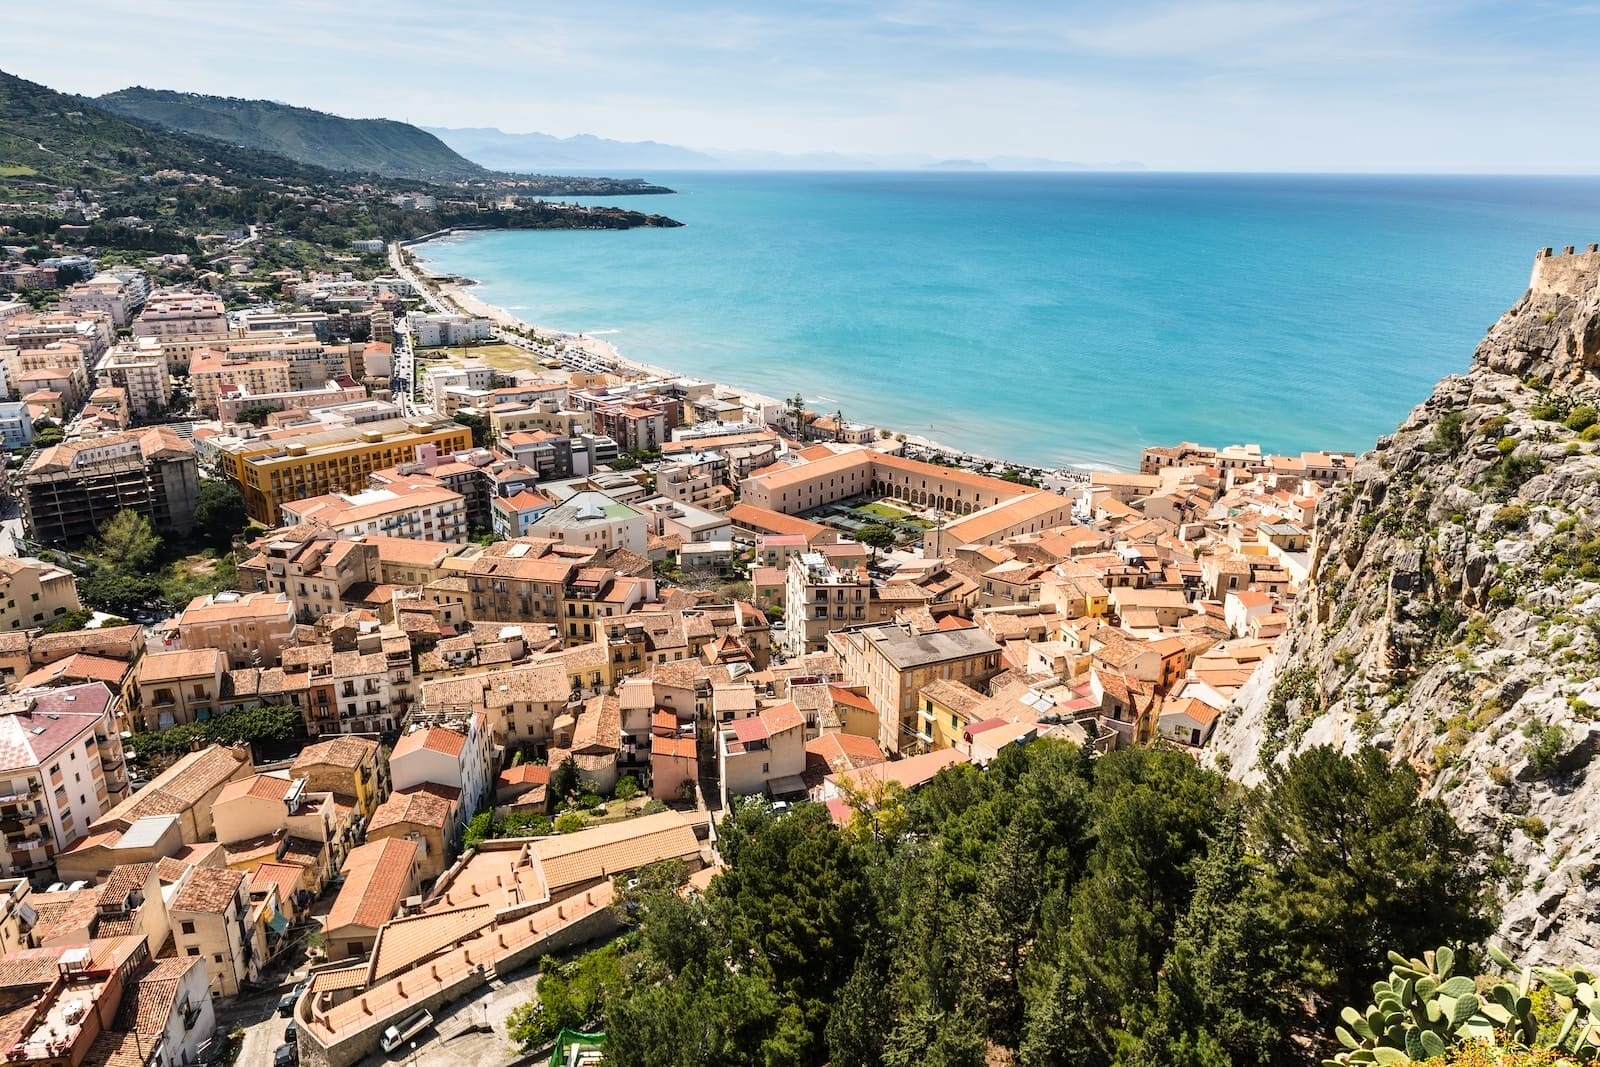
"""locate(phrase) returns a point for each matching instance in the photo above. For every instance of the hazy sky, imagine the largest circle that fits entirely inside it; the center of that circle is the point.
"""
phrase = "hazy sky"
(1202, 84)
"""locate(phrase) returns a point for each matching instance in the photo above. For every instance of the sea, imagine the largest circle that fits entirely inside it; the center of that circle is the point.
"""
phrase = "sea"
(1061, 320)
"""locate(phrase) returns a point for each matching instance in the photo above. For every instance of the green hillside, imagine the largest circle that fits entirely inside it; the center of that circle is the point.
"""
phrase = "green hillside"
(50, 137)
(376, 146)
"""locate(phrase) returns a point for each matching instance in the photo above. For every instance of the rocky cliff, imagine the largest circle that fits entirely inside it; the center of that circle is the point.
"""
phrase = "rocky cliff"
(1454, 615)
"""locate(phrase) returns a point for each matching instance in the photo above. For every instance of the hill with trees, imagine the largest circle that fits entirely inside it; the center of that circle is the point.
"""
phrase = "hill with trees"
(376, 146)
(1130, 909)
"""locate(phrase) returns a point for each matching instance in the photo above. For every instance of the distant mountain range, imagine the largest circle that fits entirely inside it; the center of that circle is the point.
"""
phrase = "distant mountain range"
(374, 146)
(544, 153)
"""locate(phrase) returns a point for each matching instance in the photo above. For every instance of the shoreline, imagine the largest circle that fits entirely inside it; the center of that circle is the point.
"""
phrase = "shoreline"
(455, 289)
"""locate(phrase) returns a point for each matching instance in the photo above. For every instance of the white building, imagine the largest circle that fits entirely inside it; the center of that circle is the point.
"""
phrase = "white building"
(431, 331)
(102, 293)
(454, 753)
(16, 425)
(595, 520)
(61, 769)
(417, 511)
(440, 381)
(141, 369)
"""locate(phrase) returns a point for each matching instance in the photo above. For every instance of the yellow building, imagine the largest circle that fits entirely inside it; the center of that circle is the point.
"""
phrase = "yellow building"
(944, 712)
(353, 769)
(271, 471)
(32, 592)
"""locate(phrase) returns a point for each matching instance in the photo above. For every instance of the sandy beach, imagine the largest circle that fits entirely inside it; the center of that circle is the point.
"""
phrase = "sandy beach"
(454, 290)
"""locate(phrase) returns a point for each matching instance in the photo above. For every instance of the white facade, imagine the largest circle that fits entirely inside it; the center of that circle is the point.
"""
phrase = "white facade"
(594, 519)
(457, 754)
(431, 331)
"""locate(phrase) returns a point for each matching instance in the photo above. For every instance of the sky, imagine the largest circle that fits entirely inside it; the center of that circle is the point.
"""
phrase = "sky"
(1296, 85)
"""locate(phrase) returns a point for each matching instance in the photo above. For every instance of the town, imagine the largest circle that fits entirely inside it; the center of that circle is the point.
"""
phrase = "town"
(359, 650)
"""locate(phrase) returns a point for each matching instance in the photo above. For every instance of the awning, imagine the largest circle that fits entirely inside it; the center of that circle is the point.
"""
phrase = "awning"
(279, 923)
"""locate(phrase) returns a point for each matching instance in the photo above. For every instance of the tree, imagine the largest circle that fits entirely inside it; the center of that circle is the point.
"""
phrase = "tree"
(256, 414)
(127, 542)
(569, 822)
(53, 435)
(627, 788)
(482, 433)
(876, 536)
(76, 619)
(1358, 863)
(479, 829)
(564, 779)
(219, 512)
(120, 594)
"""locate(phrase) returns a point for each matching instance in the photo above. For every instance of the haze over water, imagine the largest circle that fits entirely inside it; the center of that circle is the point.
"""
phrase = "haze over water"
(1056, 318)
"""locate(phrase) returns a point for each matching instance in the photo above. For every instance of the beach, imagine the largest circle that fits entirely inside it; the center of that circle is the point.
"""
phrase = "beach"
(582, 351)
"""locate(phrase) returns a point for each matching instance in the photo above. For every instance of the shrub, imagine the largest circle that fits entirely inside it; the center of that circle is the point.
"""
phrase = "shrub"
(1546, 746)
(627, 787)
(1582, 417)
(1535, 828)
(589, 801)
(570, 822)
(1511, 517)
(1447, 436)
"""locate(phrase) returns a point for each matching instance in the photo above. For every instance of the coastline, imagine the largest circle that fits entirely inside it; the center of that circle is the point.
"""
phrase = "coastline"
(454, 289)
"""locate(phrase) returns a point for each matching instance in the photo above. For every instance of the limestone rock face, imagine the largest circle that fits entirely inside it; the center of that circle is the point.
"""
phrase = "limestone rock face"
(1454, 615)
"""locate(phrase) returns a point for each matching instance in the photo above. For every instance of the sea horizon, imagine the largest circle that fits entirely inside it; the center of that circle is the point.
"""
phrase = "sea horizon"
(1103, 311)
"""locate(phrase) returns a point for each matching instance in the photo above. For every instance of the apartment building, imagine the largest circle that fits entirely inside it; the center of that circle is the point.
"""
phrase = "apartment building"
(821, 597)
(140, 369)
(68, 490)
(270, 471)
(432, 331)
(362, 690)
(211, 918)
(61, 768)
(33, 592)
(174, 315)
(546, 415)
(213, 374)
(454, 751)
(102, 294)
(351, 768)
(892, 662)
(427, 815)
(16, 425)
(178, 687)
(405, 509)
(763, 754)
(595, 520)
(249, 629)
(379, 876)
(332, 393)
(62, 365)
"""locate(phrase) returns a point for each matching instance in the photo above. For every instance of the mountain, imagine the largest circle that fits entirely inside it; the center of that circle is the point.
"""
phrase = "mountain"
(60, 139)
(540, 152)
(1453, 618)
(376, 146)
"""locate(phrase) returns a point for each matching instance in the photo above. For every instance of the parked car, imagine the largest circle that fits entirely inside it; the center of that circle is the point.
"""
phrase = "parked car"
(287, 1001)
(285, 1055)
(291, 1034)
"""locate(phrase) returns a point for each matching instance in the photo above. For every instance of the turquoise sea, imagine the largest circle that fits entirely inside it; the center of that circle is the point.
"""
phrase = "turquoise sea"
(1057, 319)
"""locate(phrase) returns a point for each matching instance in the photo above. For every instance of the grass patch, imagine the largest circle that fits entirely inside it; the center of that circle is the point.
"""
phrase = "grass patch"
(880, 510)
(16, 170)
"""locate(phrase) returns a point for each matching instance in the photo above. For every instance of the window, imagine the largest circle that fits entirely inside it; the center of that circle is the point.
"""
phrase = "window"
(217, 956)
(191, 951)
(187, 927)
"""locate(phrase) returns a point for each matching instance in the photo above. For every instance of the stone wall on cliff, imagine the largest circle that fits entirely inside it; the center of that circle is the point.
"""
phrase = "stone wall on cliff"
(1454, 614)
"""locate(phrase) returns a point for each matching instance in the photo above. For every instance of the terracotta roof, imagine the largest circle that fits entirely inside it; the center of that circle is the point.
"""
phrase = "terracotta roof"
(434, 738)
(424, 805)
(402, 943)
(599, 852)
(80, 666)
(208, 889)
(261, 786)
(342, 751)
(286, 876)
(173, 666)
(378, 875)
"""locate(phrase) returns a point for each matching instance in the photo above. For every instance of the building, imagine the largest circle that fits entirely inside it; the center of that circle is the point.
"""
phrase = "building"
(820, 597)
(271, 471)
(334, 392)
(348, 767)
(432, 331)
(61, 767)
(412, 510)
(457, 753)
(595, 520)
(428, 816)
(16, 425)
(379, 876)
(33, 592)
(892, 663)
(763, 754)
(102, 294)
(171, 315)
(178, 687)
(213, 375)
(69, 490)
(211, 921)
(250, 629)
(141, 370)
